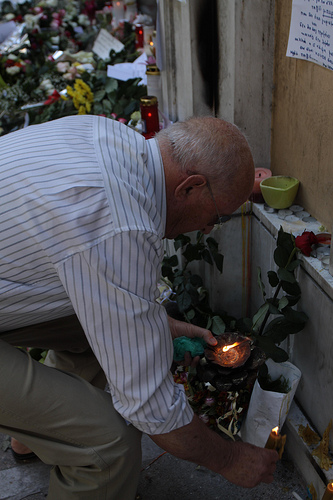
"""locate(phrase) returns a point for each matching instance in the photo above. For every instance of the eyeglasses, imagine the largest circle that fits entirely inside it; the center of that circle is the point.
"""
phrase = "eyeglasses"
(220, 218)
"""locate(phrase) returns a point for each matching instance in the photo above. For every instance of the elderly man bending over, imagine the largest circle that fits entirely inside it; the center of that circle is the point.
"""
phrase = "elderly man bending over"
(86, 203)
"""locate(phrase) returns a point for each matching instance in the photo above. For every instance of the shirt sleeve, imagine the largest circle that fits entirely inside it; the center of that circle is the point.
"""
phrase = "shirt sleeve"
(113, 289)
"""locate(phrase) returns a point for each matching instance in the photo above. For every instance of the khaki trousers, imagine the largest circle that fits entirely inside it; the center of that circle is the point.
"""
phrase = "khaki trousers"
(64, 417)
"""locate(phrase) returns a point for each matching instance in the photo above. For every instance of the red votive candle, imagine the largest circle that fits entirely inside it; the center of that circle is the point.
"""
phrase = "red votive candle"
(149, 116)
(139, 36)
(260, 174)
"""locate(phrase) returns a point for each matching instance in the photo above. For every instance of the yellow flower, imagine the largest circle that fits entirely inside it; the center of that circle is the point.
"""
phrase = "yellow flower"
(82, 96)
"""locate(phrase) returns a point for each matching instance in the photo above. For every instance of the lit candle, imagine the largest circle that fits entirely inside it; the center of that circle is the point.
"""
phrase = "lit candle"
(275, 441)
(118, 12)
(139, 36)
(328, 495)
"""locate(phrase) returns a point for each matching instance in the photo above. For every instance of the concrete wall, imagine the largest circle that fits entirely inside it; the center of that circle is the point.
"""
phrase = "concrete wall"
(246, 37)
(242, 70)
(302, 130)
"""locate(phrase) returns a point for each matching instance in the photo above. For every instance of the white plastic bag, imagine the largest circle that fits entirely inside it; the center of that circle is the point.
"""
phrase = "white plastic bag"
(269, 409)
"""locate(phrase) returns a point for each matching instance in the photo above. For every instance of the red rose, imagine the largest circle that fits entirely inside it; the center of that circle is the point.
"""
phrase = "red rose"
(305, 241)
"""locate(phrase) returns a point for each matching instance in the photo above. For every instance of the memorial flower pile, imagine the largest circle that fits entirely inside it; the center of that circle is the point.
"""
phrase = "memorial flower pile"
(222, 411)
(48, 68)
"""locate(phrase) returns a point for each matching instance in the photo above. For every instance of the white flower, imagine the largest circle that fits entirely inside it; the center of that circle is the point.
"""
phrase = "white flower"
(31, 21)
(47, 86)
(84, 57)
(63, 67)
(83, 20)
(13, 57)
(12, 70)
(49, 3)
(9, 17)
(55, 40)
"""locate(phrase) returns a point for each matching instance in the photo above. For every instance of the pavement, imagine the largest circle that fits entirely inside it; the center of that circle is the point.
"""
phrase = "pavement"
(163, 477)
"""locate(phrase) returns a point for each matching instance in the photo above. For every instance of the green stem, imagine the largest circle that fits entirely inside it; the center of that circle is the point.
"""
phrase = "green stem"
(278, 288)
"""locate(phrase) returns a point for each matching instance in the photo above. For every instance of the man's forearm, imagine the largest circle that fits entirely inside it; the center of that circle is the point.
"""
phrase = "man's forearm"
(241, 463)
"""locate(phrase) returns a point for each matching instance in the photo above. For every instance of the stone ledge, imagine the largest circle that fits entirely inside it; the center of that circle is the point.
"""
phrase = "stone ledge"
(301, 453)
(311, 265)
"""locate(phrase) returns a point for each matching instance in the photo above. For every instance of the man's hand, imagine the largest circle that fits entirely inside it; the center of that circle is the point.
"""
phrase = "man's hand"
(240, 463)
(182, 329)
(249, 465)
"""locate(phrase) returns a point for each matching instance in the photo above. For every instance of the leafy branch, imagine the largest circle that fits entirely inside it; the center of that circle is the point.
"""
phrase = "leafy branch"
(190, 301)
(288, 320)
(190, 297)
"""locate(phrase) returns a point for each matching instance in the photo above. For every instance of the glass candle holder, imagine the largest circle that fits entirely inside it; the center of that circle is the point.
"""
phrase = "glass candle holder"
(149, 116)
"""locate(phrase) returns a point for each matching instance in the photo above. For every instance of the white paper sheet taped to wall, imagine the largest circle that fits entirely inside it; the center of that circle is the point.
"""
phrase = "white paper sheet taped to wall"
(311, 32)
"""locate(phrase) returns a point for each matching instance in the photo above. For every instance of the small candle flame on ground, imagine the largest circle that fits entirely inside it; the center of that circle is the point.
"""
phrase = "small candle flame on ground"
(276, 442)
(328, 495)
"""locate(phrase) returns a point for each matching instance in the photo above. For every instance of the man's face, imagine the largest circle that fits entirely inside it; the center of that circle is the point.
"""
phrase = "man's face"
(198, 212)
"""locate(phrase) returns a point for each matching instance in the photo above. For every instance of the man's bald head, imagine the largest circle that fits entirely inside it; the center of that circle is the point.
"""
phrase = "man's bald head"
(216, 149)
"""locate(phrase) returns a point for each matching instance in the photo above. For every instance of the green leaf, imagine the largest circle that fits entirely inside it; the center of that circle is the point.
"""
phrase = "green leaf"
(285, 275)
(192, 290)
(111, 85)
(293, 265)
(107, 107)
(271, 350)
(131, 107)
(273, 278)
(190, 314)
(209, 323)
(184, 301)
(181, 240)
(192, 253)
(283, 302)
(295, 316)
(258, 318)
(291, 288)
(167, 272)
(171, 261)
(98, 108)
(273, 309)
(286, 241)
(292, 301)
(279, 329)
(281, 256)
(212, 244)
(207, 257)
(260, 282)
(218, 325)
(218, 259)
(98, 96)
(178, 280)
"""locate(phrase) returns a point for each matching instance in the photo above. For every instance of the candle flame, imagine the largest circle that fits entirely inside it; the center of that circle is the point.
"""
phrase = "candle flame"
(226, 348)
(276, 430)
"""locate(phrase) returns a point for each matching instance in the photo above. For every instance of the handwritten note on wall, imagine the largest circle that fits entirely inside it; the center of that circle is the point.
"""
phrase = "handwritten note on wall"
(311, 32)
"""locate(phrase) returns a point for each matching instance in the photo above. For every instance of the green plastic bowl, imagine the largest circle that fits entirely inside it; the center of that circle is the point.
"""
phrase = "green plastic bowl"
(279, 191)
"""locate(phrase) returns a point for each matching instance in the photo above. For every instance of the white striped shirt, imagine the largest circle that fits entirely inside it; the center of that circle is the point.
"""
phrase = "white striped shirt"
(83, 211)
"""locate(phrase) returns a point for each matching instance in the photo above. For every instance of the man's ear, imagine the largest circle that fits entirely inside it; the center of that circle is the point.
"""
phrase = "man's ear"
(192, 182)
